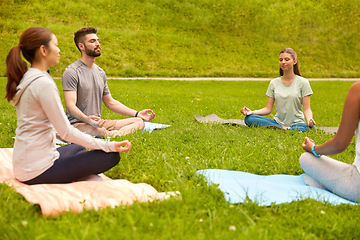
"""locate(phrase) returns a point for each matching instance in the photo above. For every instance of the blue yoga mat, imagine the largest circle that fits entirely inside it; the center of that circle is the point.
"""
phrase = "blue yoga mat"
(265, 190)
(149, 126)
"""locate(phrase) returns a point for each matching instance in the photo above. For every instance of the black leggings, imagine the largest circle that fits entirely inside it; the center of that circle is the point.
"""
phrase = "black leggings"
(75, 163)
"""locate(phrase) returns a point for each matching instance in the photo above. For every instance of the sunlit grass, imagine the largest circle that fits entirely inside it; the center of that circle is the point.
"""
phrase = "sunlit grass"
(168, 159)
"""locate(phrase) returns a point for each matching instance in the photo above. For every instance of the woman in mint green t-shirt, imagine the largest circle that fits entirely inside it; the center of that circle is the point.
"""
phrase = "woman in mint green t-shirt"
(292, 95)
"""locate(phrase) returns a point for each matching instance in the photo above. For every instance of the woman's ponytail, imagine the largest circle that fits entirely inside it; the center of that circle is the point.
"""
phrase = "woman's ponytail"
(30, 41)
(15, 69)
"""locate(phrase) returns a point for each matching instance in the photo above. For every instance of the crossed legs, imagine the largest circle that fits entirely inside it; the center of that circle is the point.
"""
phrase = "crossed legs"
(260, 121)
(112, 128)
(75, 163)
(339, 178)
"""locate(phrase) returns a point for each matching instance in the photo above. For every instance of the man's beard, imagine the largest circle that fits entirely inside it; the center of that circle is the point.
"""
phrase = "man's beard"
(92, 53)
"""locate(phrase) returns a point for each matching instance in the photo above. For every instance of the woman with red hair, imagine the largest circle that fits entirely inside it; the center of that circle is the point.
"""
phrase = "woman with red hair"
(40, 116)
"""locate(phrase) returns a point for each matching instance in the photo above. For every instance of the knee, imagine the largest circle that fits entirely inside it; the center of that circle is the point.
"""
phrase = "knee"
(80, 148)
(98, 132)
(114, 158)
(314, 128)
(75, 148)
(140, 123)
(249, 119)
(301, 127)
(304, 158)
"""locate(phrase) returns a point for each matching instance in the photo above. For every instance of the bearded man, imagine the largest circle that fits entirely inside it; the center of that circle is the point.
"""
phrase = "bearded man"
(85, 88)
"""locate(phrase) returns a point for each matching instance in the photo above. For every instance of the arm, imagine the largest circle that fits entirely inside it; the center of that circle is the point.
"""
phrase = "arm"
(264, 111)
(348, 125)
(307, 111)
(52, 107)
(70, 104)
(123, 146)
(118, 107)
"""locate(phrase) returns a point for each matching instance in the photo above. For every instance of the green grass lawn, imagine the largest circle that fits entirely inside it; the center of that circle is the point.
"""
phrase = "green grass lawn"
(206, 38)
(203, 38)
(168, 159)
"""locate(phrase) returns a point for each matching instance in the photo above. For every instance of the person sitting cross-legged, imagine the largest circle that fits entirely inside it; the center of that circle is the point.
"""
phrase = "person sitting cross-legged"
(85, 89)
(291, 92)
(322, 171)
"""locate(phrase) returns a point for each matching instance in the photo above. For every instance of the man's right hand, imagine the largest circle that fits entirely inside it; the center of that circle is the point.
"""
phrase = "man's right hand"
(123, 146)
(95, 121)
(146, 114)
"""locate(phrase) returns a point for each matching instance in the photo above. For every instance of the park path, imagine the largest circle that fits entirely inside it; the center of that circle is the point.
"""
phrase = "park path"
(216, 79)
(226, 79)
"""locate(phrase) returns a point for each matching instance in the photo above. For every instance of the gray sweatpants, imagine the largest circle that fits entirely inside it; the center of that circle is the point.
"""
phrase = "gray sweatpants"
(339, 178)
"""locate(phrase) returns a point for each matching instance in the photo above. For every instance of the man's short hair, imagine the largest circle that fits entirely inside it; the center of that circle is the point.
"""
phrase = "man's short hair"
(80, 34)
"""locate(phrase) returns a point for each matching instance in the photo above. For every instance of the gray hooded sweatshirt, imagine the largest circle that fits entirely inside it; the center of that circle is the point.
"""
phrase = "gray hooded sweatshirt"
(40, 114)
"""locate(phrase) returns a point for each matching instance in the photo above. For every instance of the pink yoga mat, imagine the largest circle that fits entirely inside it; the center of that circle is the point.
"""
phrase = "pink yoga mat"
(76, 196)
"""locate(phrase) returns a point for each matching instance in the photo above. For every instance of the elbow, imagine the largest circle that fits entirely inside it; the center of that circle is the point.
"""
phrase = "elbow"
(267, 111)
(108, 105)
(308, 113)
(72, 115)
(65, 134)
(69, 112)
(69, 109)
(339, 146)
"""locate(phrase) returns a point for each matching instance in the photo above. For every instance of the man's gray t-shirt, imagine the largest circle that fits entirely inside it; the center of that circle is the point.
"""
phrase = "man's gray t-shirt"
(90, 85)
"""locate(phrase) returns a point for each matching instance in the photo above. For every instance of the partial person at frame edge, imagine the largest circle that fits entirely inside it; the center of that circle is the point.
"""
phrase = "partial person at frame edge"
(85, 88)
(40, 115)
(324, 172)
(291, 92)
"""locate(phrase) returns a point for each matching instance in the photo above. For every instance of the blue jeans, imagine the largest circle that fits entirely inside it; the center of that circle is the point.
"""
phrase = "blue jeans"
(260, 121)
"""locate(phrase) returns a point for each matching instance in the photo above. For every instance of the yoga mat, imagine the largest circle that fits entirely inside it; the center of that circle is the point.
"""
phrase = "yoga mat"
(96, 193)
(149, 126)
(265, 190)
(331, 130)
(213, 118)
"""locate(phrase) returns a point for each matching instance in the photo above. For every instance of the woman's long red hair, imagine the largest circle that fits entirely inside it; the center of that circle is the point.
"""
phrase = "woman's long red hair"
(30, 41)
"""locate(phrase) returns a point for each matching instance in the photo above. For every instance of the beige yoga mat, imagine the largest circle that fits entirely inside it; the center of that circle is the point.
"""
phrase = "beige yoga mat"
(76, 196)
(213, 118)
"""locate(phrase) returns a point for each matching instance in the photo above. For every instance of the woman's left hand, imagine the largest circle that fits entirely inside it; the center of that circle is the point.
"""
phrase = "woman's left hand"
(311, 122)
(123, 146)
(246, 111)
(307, 144)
